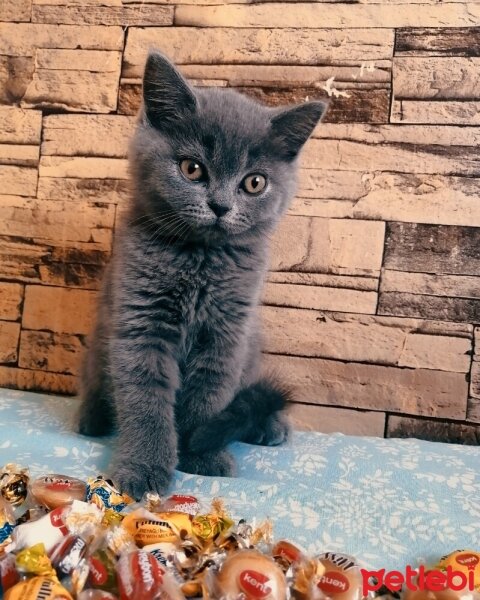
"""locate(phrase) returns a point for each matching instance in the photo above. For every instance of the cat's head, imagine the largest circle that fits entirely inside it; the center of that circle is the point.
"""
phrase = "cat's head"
(213, 163)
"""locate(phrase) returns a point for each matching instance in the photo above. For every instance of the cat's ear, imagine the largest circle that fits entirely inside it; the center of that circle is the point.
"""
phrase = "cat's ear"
(167, 96)
(291, 128)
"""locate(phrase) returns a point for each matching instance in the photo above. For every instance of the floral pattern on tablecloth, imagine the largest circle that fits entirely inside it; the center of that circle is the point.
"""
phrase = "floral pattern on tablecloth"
(388, 502)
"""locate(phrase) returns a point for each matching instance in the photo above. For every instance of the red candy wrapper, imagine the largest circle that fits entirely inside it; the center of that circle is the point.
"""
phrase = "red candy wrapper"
(142, 577)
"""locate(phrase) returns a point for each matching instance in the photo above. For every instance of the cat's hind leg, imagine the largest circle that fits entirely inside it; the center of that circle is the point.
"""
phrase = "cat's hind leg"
(256, 415)
(96, 413)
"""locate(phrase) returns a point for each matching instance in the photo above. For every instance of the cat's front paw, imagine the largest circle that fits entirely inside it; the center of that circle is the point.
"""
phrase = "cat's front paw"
(220, 464)
(273, 432)
(137, 478)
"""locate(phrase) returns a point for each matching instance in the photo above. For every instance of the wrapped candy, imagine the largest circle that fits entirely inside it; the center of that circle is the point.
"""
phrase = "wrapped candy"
(9, 574)
(105, 495)
(463, 561)
(248, 574)
(7, 523)
(153, 528)
(35, 561)
(48, 530)
(181, 503)
(142, 577)
(14, 484)
(96, 595)
(37, 588)
(58, 490)
(341, 579)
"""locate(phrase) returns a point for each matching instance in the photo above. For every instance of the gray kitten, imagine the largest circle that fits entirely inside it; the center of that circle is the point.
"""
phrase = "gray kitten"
(174, 359)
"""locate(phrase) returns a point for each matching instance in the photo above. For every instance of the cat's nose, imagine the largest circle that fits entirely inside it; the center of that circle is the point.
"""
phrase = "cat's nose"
(218, 209)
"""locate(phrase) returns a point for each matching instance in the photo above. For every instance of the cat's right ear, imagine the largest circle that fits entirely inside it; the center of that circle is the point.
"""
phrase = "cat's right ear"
(167, 96)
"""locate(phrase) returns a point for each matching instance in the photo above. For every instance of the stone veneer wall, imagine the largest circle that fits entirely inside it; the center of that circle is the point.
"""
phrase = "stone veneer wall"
(374, 292)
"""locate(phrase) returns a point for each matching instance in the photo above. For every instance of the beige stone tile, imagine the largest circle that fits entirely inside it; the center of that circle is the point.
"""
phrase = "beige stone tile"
(357, 338)
(258, 46)
(83, 167)
(409, 391)
(38, 381)
(11, 297)
(448, 112)
(47, 351)
(15, 10)
(9, 334)
(58, 309)
(74, 189)
(444, 78)
(464, 286)
(19, 126)
(365, 284)
(326, 419)
(320, 298)
(87, 135)
(16, 180)
(23, 39)
(73, 13)
(335, 15)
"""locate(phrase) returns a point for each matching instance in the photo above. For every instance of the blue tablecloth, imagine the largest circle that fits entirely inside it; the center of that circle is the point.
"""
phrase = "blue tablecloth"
(387, 502)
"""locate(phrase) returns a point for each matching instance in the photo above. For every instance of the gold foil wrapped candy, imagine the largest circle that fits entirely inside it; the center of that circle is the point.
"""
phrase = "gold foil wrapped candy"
(14, 484)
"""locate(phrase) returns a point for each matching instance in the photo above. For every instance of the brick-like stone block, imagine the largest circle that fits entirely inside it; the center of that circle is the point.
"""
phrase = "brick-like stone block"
(257, 46)
(18, 126)
(441, 41)
(56, 221)
(463, 286)
(127, 15)
(444, 78)
(83, 167)
(432, 249)
(47, 351)
(307, 417)
(320, 297)
(434, 431)
(413, 198)
(448, 112)
(76, 80)
(334, 15)
(9, 334)
(344, 247)
(409, 391)
(74, 189)
(11, 298)
(429, 307)
(87, 135)
(356, 338)
(17, 180)
(23, 39)
(473, 410)
(15, 10)
(59, 310)
(38, 381)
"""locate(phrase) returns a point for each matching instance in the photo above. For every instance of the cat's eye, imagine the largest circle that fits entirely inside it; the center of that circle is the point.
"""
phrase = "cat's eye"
(192, 169)
(254, 184)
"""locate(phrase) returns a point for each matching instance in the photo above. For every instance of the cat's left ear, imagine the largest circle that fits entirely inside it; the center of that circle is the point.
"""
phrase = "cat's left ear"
(291, 128)
(167, 96)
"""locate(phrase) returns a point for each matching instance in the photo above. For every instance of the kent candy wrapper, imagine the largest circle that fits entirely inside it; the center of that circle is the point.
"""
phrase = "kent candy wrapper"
(342, 579)
(105, 495)
(58, 490)
(463, 561)
(153, 528)
(38, 588)
(102, 573)
(142, 577)
(251, 575)
(48, 530)
(14, 484)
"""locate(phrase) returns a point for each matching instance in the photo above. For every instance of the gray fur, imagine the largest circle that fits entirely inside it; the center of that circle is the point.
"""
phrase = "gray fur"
(173, 362)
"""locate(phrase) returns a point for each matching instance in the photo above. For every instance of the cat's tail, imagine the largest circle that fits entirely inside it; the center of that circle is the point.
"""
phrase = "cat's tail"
(256, 415)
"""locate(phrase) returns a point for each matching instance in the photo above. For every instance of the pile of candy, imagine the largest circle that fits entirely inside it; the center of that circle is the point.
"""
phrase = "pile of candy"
(62, 538)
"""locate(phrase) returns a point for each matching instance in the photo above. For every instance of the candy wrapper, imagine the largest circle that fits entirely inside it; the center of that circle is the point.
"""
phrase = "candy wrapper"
(58, 490)
(463, 561)
(35, 561)
(106, 496)
(7, 524)
(14, 484)
(142, 577)
(153, 528)
(38, 588)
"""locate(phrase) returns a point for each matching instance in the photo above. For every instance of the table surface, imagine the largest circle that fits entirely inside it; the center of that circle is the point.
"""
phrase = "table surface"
(387, 502)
